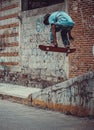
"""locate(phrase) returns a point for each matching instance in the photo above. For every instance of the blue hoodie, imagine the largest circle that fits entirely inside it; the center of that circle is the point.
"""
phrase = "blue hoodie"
(61, 18)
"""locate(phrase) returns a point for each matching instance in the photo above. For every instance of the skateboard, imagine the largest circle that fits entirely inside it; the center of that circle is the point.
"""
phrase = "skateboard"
(56, 49)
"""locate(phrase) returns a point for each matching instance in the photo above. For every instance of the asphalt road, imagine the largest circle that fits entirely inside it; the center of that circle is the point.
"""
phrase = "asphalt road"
(15, 116)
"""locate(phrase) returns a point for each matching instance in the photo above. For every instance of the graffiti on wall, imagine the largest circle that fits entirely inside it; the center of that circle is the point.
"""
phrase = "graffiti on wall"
(78, 93)
(39, 24)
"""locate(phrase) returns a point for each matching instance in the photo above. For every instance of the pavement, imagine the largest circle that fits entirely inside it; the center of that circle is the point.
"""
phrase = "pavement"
(17, 93)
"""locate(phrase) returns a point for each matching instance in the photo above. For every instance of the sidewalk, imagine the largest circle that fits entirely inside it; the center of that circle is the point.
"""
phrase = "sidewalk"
(17, 93)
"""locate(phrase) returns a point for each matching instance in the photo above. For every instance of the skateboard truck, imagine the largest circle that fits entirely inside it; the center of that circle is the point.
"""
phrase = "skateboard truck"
(68, 51)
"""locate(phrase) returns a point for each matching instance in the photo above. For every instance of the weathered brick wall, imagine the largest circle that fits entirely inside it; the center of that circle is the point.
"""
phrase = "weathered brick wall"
(20, 37)
(9, 35)
(83, 14)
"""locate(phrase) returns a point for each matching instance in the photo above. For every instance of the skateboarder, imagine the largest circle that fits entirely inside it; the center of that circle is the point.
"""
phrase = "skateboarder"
(59, 21)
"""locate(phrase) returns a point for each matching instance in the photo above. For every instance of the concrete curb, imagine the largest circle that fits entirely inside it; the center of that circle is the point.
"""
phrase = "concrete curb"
(16, 93)
(15, 99)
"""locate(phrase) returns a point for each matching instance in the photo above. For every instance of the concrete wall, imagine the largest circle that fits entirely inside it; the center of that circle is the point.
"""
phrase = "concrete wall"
(21, 61)
(21, 34)
(75, 96)
(33, 33)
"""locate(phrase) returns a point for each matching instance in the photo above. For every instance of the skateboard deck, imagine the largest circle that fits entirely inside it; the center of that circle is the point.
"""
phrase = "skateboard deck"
(56, 49)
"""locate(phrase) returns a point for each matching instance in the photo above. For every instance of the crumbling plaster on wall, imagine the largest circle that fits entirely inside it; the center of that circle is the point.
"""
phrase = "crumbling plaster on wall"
(33, 33)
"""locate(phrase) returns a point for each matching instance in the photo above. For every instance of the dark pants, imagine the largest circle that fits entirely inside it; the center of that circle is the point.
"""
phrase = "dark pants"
(64, 34)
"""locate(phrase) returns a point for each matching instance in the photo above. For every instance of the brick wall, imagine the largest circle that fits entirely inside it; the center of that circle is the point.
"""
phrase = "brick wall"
(83, 14)
(9, 35)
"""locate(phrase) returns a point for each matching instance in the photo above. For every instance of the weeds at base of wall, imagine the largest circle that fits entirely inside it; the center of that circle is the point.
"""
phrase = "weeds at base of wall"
(66, 109)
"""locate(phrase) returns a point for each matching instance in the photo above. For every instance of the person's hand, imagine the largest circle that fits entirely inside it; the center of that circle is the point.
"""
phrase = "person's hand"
(56, 44)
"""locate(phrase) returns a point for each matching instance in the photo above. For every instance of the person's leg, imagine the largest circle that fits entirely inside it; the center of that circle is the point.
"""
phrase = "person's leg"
(69, 33)
(51, 36)
(64, 37)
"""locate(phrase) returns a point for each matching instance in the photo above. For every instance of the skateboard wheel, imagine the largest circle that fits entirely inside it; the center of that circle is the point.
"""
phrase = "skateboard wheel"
(47, 48)
(68, 50)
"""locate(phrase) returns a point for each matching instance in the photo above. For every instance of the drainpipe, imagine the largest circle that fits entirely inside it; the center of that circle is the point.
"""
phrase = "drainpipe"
(66, 6)
(67, 59)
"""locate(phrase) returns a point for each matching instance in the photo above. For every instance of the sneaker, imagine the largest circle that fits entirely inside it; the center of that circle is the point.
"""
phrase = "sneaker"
(71, 38)
(67, 46)
(56, 45)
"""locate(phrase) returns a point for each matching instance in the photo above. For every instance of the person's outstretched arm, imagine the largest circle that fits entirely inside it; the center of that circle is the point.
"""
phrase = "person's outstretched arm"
(54, 34)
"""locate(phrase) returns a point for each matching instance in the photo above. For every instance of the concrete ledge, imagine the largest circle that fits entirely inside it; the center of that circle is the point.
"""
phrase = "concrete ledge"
(74, 96)
(15, 99)
(16, 93)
